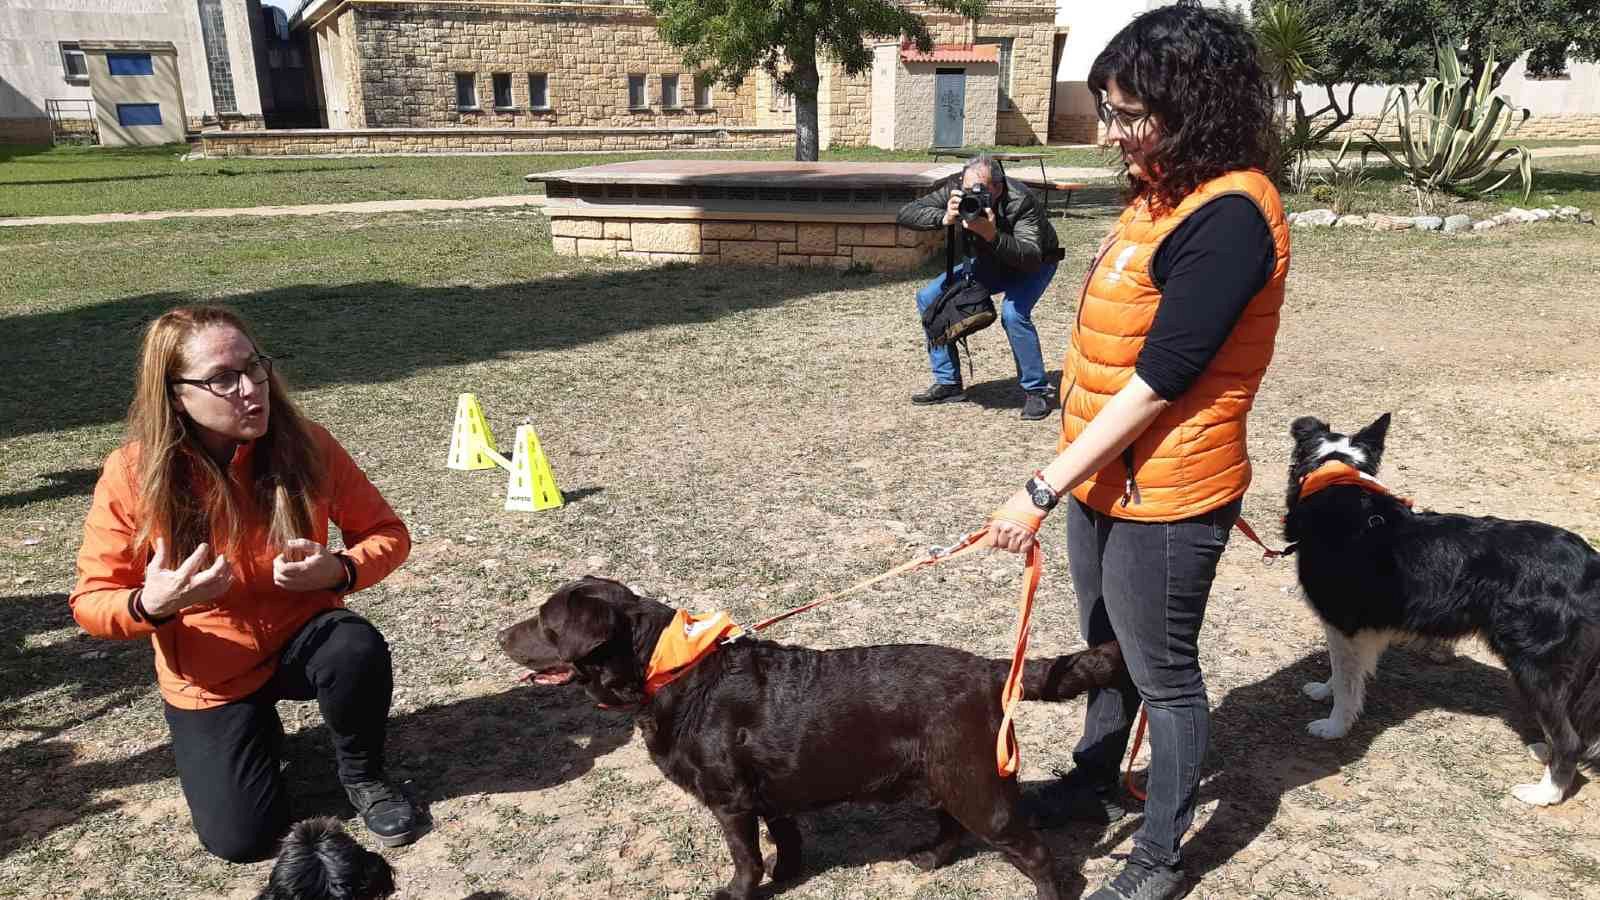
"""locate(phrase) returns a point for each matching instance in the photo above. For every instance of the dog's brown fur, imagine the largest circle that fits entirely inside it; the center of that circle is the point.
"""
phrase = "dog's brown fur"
(762, 731)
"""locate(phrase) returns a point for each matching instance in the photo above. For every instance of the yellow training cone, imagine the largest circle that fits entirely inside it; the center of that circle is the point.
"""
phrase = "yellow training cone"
(531, 485)
(471, 442)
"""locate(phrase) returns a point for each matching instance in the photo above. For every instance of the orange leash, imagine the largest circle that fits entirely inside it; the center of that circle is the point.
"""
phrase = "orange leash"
(1268, 554)
(1138, 740)
(1008, 755)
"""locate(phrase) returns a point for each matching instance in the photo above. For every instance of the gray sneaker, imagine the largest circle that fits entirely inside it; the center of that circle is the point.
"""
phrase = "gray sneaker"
(1036, 406)
(1138, 881)
(940, 393)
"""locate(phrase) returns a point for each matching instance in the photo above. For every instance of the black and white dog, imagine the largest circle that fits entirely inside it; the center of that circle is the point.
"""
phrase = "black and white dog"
(1376, 572)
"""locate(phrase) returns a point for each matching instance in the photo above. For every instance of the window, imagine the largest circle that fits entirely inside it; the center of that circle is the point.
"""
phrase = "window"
(1005, 69)
(466, 90)
(539, 90)
(636, 97)
(129, 64)
(138, 114)
(74, 63)
(702, 92)
(782, 100)
(502, 91)
(669, 92)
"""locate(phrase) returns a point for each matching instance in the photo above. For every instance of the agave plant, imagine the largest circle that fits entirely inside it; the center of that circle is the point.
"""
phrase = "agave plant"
(1450, 142)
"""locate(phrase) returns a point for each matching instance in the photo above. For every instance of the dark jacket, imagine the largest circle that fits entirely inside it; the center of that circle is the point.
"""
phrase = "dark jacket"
(1024, 240)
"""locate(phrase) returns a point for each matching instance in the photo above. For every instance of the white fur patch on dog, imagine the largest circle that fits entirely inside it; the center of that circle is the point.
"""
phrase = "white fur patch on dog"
(1545, 793)
(1342, 445)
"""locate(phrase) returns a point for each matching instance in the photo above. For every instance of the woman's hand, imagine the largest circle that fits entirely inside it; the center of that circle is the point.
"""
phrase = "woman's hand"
(307, 566)
(1015, 525)
(169, 591)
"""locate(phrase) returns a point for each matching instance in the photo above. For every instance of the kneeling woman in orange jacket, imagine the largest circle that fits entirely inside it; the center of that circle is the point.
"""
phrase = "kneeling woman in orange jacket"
(1175, 329)
(209, 534)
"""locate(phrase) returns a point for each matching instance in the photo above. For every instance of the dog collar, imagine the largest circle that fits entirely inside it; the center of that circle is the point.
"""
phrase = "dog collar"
(1335, 473)
(685, 641)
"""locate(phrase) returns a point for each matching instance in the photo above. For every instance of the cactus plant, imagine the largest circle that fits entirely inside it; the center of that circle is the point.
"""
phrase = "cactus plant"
(1451, 142)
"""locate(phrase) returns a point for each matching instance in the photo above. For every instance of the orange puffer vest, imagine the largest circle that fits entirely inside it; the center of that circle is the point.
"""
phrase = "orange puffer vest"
(1192, 458)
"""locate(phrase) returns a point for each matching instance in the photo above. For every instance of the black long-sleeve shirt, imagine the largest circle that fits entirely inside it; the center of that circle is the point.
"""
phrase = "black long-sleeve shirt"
(1207, 270)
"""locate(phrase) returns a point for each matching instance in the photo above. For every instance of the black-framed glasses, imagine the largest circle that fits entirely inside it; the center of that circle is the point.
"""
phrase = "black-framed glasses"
(226, 383)
(1125, 120)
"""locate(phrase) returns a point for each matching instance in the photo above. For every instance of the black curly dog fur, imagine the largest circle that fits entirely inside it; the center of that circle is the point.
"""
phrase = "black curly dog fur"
(319, 861)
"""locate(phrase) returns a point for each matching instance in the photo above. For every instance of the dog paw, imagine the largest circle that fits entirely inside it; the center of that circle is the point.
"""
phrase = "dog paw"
(1540, 751)
(1328, 729)
(1317, 690)
(781, 873)
(1542, 794)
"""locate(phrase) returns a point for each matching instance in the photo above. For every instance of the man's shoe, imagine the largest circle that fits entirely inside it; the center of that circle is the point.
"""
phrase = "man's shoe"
(940, 393)
(387, 812)
(1074, 797)
(1139, 881)
(1036, 406)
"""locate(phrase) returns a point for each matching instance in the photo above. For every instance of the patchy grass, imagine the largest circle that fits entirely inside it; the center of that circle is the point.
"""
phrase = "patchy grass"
(75, 179)
(1557, 181)
(661, 396)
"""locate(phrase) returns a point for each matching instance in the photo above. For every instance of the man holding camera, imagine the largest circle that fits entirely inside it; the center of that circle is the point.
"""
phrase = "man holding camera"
(1010, 248)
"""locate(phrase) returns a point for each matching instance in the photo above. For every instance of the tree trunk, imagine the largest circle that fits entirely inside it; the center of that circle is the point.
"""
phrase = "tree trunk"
(803, 58)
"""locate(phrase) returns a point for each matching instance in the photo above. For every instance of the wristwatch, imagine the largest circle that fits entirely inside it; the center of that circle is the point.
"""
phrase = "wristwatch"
(1043, 495)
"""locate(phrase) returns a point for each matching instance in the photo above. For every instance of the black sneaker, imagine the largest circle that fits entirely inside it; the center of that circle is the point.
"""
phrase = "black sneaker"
(1140, 881)
(940, 393)
(1037, 406)
(1075, 796)
(387, 812)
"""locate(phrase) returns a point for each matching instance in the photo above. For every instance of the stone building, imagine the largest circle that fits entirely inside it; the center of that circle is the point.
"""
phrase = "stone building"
(425, 74)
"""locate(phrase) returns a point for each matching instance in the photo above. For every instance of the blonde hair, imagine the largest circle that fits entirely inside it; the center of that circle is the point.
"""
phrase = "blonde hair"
(185, 496)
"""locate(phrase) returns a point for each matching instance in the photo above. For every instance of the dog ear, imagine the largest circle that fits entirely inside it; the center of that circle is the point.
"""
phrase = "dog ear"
(1307, 427)
(581, 616)
(1372, 436)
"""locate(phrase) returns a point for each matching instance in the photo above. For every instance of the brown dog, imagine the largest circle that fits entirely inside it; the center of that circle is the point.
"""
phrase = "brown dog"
(758, 730)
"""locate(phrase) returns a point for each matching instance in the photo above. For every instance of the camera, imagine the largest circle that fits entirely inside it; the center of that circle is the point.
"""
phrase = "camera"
(975, 202)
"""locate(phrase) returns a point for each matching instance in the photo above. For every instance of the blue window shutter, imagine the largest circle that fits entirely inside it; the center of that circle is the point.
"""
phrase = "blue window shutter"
(138, 114)
(130, 64)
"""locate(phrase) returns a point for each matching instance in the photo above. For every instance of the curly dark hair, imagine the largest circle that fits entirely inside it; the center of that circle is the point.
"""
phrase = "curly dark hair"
(1198, 71)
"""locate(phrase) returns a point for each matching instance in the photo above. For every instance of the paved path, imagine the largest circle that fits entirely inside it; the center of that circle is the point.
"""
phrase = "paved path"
(310, 209)
(1056, 173)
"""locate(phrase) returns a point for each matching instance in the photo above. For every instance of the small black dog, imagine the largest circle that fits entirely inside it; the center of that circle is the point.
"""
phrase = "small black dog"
(758, 730)
(1377, 572)
(319, 861)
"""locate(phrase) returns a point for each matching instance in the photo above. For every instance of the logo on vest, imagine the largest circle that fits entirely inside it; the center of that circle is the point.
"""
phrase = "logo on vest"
(1115, 275)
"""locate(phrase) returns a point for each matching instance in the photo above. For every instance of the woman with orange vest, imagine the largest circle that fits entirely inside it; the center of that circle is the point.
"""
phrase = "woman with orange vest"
(1174, 332)
(208, 535)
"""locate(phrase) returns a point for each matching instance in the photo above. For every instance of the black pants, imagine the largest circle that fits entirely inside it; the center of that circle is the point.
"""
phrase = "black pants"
(1145, 584)
(228, 755)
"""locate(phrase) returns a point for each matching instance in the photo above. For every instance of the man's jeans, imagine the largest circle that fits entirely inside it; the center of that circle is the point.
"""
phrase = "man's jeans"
(1022, 291)
(1145, 584)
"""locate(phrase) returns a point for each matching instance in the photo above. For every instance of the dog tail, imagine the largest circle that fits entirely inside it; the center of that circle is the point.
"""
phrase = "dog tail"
(1064, 677)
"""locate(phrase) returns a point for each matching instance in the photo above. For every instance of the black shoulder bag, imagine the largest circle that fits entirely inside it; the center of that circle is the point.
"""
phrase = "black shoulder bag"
(964, 307)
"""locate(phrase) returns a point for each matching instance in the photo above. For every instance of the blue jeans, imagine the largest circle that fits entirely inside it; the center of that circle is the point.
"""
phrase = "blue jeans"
(1022, 290)
(1145, 584)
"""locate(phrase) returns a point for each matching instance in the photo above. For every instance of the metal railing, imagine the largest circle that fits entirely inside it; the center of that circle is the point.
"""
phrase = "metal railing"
(72, 120)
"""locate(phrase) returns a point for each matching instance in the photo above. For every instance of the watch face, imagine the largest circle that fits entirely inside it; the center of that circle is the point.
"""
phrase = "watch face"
(1042, 498)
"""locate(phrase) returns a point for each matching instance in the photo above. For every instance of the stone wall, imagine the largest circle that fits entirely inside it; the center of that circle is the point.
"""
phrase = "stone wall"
(883, 247)
(316, 141)
(31, 130)
(409, 57)
(1547, 128)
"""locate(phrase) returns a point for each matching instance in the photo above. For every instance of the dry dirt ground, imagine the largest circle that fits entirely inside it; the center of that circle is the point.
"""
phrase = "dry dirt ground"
(743, 440)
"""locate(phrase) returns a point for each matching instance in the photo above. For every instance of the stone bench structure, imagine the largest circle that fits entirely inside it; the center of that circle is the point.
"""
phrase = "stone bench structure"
(743, 212)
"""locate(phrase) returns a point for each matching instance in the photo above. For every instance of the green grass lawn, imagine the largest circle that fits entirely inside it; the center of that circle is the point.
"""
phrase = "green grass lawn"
(77, 180)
